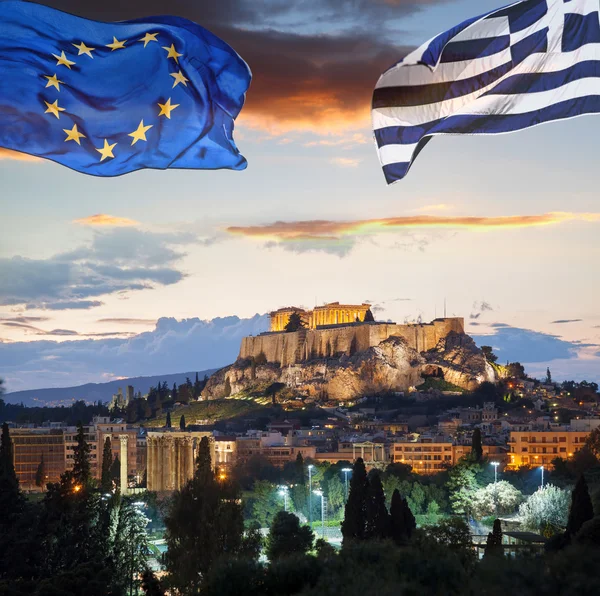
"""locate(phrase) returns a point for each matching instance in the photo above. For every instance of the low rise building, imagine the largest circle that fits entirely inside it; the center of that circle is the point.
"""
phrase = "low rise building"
(535, 448)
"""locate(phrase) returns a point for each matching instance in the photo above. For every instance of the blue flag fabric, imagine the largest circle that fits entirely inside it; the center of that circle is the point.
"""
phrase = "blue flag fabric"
(532, 62)
(111, 98)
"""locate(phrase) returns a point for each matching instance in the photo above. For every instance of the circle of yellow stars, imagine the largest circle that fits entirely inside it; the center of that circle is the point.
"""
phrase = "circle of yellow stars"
(165, 109)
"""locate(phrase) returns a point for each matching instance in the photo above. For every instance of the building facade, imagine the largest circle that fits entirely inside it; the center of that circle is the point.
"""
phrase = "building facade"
(333, 313)
(536, 448)
(30, 447)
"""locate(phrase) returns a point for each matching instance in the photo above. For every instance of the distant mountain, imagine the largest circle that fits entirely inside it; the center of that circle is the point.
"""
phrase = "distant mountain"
(91, 392)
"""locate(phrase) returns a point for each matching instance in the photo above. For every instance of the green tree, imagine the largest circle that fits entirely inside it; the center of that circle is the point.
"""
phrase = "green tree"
(500, 497)
(462, 484)
(488, 352)
(115, 471)
(40, 473)
(476, 446)
(227, 388)
(454, 534)
(204, 524)
(264, 502)
(336, 494)
(355, 513)
(81, 459)
(546, 510)
(287, 537)
(493, 546)
(106, 477)
(548, 376)
(369, 318)
(377, 517)
(150, 584)
(182, 422)
(168, 422)
(130, 546)
(294, 323)
(174, 393)
(581, 507)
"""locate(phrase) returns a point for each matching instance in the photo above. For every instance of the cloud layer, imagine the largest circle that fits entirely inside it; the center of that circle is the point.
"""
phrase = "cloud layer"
(325, 234)
(173, 346)
(104, 220)
(116, 260)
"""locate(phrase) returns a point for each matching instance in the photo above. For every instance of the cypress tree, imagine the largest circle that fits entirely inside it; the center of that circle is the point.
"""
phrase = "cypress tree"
(369, 318)
(581, 507)
(107, 460)
(81, 459)
(353, 526)
(398, 531)
(204, 469)
(40, 474)
(476, 447)
(115, 471)
(410, 523)
(182, 422)
(174, 393)
(299, 472)
(11, 498)
(377, 517)
(168, 422)
(493, 546)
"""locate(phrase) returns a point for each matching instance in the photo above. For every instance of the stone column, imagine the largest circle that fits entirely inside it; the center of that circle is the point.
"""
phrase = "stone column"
(124, 440)
(189, 458)
(149, 463)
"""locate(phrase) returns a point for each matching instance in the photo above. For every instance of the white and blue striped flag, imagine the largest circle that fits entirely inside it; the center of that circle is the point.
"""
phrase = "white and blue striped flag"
(532, 62)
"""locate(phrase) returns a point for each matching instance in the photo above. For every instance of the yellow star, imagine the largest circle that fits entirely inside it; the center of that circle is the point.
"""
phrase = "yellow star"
(53, 82)
(179, 78)
(140, 133)
(83, 49)
(167, 108)
(53, 108)
(148, 38)
(116, 44)
(172, 52)
(74, 135)
(62, 59)
(106, 151)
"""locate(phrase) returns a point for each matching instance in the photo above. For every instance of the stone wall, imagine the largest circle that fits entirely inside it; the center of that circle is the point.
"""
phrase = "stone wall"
(308, 344)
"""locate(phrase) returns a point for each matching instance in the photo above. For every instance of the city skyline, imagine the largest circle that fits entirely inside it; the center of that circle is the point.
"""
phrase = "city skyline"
(503, 229)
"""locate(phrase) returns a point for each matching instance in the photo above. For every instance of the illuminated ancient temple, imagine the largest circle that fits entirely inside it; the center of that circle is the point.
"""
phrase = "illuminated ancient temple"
(333, 313)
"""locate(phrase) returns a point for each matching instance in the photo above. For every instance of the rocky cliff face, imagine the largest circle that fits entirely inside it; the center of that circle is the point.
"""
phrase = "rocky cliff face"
(390, 366)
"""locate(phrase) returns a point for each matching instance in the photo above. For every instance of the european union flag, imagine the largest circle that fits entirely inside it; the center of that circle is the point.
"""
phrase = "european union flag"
(110, 98)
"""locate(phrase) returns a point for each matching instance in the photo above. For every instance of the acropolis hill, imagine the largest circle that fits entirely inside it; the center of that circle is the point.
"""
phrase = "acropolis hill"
(339, 355)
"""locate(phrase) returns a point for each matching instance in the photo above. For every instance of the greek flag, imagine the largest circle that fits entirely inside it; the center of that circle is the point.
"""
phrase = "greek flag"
(532, 62)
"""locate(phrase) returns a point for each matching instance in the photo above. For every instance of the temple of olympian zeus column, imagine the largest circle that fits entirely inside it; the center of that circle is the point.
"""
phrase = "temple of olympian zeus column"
(171, 458)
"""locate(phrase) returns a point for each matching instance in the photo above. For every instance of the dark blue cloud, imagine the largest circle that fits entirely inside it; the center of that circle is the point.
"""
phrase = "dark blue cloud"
(114, 261)
(173, 346)
(524, 345)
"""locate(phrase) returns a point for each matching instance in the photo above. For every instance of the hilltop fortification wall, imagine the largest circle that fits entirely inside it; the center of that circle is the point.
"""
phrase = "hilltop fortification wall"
(308, 344)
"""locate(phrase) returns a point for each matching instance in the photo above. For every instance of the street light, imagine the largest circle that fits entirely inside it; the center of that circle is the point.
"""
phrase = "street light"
(542, 469)
(283, 491)
(310, 469)
(320, 494)
(495, 464)
(346, 471)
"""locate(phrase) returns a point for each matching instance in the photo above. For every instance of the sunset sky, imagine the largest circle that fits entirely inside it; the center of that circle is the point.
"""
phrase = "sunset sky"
(505, 229)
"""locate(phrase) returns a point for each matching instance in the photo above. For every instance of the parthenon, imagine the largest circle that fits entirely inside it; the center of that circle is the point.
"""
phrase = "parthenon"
(333, 313)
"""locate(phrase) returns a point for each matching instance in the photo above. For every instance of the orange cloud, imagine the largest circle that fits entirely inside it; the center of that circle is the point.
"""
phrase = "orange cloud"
(103, 220)
(17, 155)
(345, 162)
(326, 230)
